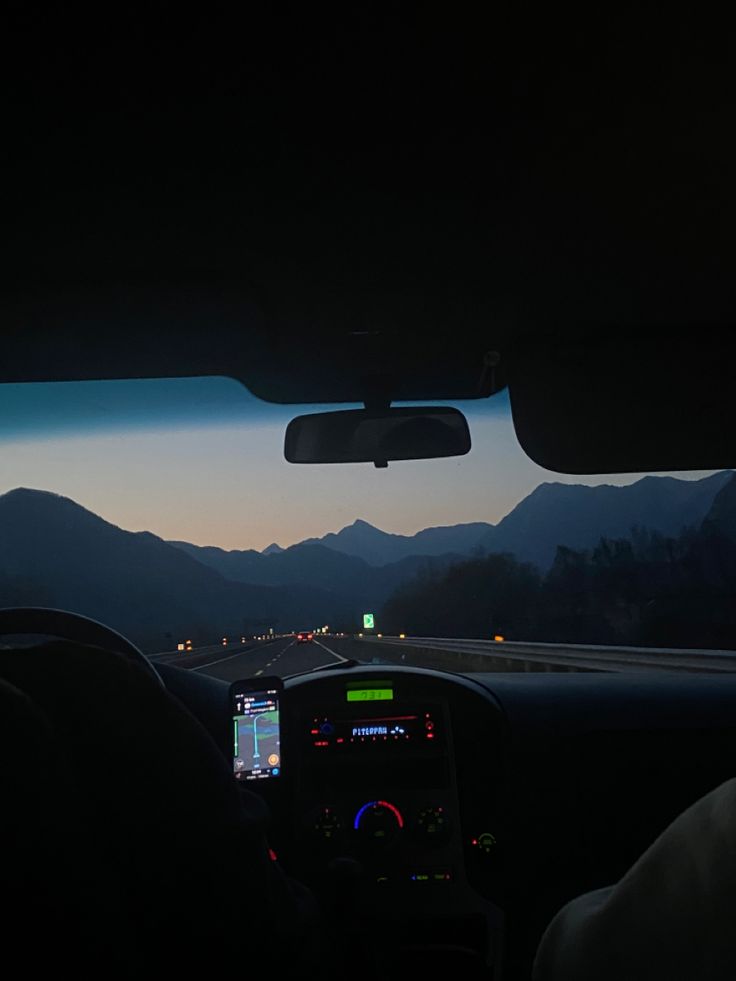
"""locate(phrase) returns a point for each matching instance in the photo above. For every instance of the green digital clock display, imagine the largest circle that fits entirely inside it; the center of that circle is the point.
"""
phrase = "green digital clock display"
(370, 695)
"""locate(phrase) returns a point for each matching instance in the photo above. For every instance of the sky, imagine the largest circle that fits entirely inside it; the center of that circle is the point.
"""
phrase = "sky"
(201, 460)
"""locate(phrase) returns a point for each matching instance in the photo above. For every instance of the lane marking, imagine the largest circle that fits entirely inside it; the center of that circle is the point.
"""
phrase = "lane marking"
(259, 672)
(228, 658)
(340, 659)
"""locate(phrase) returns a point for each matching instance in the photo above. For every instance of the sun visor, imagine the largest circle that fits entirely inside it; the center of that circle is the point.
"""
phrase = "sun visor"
(626, 402)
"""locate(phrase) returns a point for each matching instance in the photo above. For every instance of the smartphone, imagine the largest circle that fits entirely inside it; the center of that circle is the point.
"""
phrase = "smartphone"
(256, 727)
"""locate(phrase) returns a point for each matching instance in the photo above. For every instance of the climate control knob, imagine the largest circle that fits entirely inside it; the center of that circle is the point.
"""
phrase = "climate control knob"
(378, 822)
(433, 826)
(326, 824)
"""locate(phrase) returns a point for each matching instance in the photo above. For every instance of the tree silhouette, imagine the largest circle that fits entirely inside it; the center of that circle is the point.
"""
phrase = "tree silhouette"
(646, 590)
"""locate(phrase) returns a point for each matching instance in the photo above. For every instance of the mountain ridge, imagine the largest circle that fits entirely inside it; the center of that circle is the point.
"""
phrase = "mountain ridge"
(580, 513)
(577, 516)
(378, 547)
(56, 552)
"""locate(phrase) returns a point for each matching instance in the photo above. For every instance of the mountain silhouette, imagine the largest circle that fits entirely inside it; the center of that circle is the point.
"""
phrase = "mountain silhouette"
(721, 518)
(333, 571)
(369, 563)
(53, 552)
(377, 547)
(577, 516)
(573, 515)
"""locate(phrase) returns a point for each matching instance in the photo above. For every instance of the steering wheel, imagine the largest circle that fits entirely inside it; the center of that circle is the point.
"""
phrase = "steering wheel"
(73, 627)
(122, 792)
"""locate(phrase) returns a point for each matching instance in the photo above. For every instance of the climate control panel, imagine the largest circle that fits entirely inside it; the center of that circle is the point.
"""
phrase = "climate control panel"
(379, 823)
(376, 786)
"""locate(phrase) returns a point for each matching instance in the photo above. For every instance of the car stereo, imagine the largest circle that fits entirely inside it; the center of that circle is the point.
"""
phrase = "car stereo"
(374, 729)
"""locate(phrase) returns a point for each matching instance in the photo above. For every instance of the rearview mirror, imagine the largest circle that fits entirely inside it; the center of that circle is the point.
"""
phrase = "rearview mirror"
(377, 436)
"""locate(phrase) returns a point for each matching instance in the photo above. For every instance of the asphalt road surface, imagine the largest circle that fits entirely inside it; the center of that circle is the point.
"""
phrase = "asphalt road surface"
(283, 657)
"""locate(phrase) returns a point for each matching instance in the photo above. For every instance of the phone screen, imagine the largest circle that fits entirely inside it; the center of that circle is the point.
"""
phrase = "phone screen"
(256, 729)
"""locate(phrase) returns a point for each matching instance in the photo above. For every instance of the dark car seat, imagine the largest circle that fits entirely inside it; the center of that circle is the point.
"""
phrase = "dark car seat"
(671, 915)
(129, 849)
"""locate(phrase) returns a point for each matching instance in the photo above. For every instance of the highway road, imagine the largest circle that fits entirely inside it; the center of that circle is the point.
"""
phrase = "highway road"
(284, 657)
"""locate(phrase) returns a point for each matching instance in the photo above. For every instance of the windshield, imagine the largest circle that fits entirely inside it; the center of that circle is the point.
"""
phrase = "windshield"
(166, 510)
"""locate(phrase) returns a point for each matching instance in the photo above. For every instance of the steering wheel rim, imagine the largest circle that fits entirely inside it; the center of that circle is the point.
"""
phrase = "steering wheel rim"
(73, 627)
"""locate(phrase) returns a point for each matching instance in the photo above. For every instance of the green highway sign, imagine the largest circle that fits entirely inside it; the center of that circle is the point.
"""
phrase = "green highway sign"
(368, 621)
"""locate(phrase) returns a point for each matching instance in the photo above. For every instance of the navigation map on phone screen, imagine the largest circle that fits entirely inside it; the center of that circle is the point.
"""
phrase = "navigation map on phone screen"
(256, 733)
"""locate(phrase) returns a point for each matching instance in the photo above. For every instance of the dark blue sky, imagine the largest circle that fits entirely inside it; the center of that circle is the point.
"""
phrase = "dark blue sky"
(30, 411)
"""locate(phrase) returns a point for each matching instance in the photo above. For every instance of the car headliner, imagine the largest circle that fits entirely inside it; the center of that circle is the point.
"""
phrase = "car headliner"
(547, 210)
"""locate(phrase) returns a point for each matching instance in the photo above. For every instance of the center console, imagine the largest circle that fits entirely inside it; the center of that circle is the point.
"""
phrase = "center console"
(370, 818)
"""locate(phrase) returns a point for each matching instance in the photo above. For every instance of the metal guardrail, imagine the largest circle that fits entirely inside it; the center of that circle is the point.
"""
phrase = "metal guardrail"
(593, 657)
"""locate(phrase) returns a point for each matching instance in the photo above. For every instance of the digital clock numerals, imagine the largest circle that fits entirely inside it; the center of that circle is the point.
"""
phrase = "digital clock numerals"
(370, 695)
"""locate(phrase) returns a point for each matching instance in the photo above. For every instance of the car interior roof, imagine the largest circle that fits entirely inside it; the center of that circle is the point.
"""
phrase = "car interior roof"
(456, 224)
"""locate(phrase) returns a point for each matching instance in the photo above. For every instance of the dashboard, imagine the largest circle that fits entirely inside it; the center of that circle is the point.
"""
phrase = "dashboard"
(443, 820)
(375, 821)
